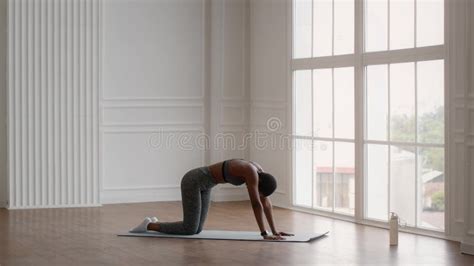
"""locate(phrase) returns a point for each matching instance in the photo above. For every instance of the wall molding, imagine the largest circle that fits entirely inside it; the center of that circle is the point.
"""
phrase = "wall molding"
(140, 188)
(144, 129)
(60, 206)
(134, 104)
(148, 99)
(105, 123)
(268, 100)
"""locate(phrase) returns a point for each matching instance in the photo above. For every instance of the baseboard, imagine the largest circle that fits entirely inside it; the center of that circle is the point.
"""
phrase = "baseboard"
(123, 195)
(467, 248)
(54, 206)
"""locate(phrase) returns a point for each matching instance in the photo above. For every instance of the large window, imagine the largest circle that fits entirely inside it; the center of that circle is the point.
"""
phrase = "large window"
(368, 108)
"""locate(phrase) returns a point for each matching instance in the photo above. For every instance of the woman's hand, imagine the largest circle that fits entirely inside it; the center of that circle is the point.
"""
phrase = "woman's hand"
(273, 237)
(283, 234)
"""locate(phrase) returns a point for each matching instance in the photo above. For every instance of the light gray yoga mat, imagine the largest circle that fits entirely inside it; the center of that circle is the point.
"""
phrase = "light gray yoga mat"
(232, 235)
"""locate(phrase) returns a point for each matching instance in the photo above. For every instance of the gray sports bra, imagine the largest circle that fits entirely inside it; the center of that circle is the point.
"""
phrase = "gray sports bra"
(234, 180)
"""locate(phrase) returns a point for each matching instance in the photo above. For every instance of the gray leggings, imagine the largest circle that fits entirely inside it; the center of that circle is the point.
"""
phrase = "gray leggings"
(196, 188)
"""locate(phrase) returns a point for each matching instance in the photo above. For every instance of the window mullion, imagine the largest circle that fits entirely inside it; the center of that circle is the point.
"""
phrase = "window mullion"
(332, 29)
(405, 55)
(333, 141)
(416, 141)
(359, 111)
(312, 139)
(415, 20)
(389, 163)
(388, 25)
(312, 107)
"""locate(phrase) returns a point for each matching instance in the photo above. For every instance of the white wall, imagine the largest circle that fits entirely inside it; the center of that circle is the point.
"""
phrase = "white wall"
(164, 80)
(93, 84)
(230, 90)
(154, 82)
(53, 69)
(270, 90)
(3, 104)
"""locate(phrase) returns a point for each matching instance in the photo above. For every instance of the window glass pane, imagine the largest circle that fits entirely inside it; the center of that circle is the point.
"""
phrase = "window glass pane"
(302, 93)
(377, 182)
(322, 93)
(430, 89)
(429, 22)
(376, 25)
(402, 183)
(302, 28)
(402, 102)
(344, 102)
(344, 177)
(431, 188)
(343, 27)
(402, 24)
(377, 102)
(323, 168)
(303, 172)
(322, 28)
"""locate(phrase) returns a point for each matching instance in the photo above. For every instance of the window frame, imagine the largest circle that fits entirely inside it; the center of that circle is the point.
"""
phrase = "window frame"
(360, 60)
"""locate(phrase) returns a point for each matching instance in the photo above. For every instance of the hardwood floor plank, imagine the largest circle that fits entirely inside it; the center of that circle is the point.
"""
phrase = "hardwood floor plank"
(87, 236)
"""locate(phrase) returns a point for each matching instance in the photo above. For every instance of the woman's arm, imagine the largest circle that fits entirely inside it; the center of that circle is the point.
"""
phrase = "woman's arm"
(252, 187)
(268, 209)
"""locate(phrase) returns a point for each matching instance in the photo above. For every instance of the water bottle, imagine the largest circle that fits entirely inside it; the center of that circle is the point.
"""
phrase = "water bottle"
(393, 229)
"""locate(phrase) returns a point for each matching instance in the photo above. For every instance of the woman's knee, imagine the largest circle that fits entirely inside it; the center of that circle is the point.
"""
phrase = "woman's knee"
(190, 230)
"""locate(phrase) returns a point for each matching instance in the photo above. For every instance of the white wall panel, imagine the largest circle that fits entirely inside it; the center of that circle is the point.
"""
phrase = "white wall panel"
(154, 82)
(153, 49)
(235, 39)
(230, 88)
(53, 87)
(268, 46)
(153, 115)
(263, 114)
(233, 114)
(269, 87)
(459, 152)
(132, 160)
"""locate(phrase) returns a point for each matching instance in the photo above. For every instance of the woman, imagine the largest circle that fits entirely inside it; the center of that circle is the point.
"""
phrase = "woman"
(196, 188)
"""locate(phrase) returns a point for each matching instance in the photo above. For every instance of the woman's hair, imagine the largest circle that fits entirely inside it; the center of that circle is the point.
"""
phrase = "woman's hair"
(266, 184)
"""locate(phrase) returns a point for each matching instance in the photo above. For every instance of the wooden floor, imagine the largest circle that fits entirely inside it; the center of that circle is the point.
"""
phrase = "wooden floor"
(87, 236)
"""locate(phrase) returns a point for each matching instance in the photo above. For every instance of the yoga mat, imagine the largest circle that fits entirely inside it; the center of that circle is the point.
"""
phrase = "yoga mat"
(231, 235)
